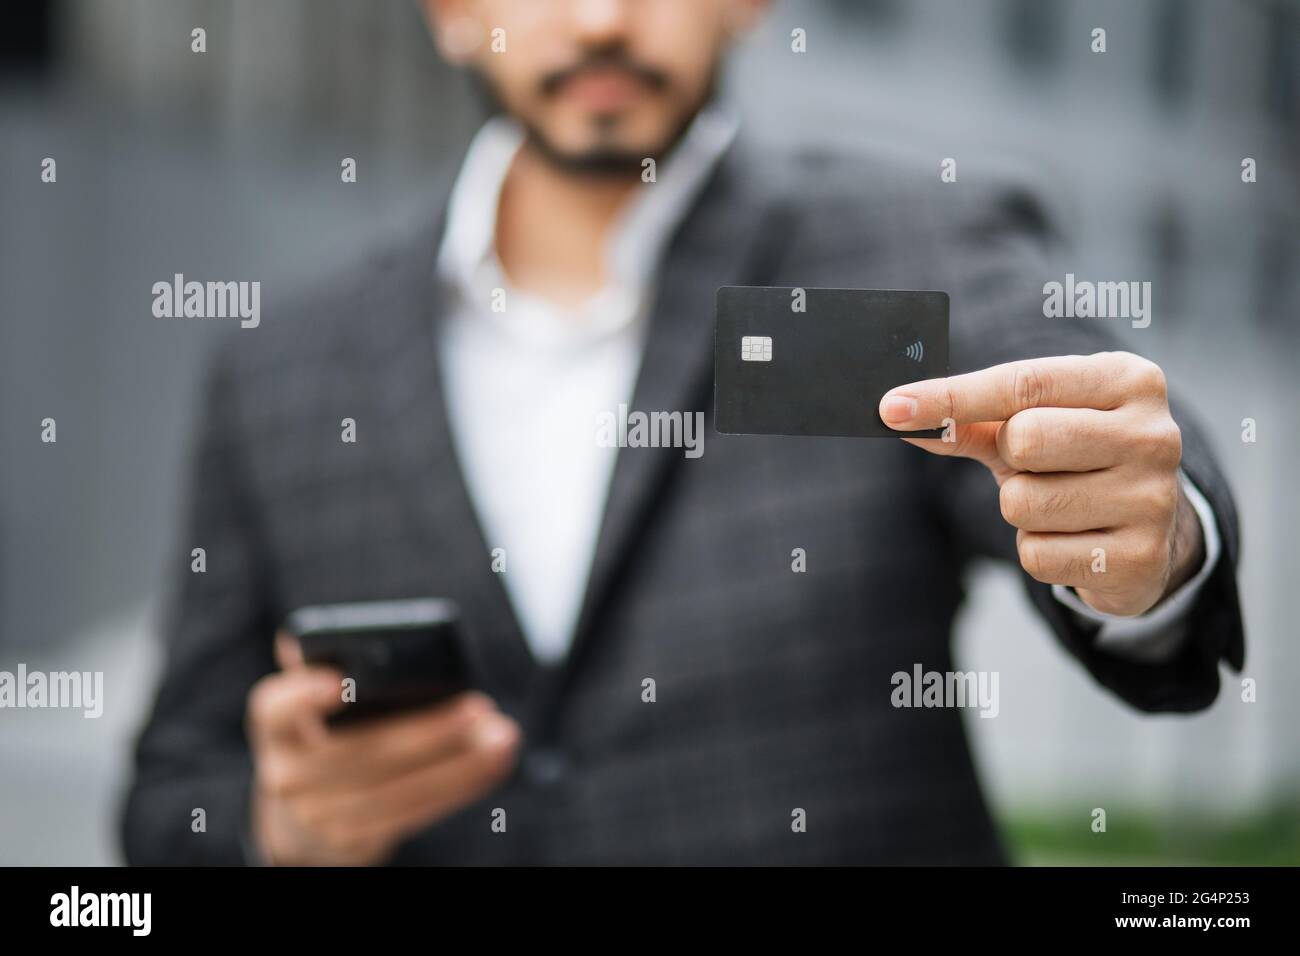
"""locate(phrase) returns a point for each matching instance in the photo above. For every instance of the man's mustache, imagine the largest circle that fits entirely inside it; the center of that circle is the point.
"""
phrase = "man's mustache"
(602, 61)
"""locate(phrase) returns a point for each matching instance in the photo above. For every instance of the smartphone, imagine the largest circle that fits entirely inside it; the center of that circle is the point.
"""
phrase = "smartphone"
(401, 654)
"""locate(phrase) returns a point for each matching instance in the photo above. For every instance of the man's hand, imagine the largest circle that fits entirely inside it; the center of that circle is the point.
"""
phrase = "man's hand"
(1086, 456)
(326, 796)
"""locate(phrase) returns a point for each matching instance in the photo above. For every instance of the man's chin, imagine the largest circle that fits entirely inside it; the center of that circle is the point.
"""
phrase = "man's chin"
(610, 163)
(614, 160)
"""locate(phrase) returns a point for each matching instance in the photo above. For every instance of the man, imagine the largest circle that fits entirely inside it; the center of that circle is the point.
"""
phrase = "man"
(658, 684)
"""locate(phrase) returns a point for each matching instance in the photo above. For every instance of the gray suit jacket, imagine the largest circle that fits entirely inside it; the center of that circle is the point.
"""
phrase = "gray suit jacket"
(773, 687)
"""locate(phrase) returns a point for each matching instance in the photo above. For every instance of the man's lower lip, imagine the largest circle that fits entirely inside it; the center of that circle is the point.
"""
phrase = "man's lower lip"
(603, 90)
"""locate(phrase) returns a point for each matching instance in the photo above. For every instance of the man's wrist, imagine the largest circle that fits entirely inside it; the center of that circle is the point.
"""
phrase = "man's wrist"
(1187, 545)
(254, 835)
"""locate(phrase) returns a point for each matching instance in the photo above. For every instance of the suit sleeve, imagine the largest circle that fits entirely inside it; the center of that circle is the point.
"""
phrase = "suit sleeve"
(996, 269)
(192, 754)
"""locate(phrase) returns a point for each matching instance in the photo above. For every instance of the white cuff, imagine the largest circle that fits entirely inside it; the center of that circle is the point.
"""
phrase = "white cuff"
(1157, 634)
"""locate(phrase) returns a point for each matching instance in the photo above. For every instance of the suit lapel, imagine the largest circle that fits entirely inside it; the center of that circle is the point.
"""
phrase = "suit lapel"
(725, 240)
(418, 451)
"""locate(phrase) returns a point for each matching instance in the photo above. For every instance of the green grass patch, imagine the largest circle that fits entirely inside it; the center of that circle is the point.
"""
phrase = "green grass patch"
(1267, 838)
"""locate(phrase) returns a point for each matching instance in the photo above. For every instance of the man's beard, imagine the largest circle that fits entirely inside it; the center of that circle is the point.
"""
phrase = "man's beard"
(610, 161)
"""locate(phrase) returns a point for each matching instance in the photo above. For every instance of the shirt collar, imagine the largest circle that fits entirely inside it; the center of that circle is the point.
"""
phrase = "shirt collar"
(468, 239)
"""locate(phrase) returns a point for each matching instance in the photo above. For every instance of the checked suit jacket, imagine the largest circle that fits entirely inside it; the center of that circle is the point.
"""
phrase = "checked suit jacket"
(773, 687)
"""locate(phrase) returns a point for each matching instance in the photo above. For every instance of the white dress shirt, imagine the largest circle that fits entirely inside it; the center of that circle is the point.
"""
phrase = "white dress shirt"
(526, 386)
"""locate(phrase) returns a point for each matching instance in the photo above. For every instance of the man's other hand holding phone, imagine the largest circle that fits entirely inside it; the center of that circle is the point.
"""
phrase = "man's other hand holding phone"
(349, 794)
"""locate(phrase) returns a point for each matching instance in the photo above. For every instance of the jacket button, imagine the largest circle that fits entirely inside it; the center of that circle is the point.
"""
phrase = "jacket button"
(545, 766)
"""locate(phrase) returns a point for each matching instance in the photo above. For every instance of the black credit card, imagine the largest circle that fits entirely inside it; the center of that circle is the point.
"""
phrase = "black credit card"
(778, 370)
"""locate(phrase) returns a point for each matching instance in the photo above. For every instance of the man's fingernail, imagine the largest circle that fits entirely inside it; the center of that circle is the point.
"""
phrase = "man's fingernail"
(897, 409)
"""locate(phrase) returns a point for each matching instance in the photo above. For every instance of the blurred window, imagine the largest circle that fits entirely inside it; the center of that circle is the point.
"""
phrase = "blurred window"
(1283, 65)
(1032, 31)
(1171, 35)
(1167, 234)
(880, 14)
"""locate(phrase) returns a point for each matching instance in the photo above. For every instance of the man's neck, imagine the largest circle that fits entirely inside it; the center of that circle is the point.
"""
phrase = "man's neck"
(552, 225)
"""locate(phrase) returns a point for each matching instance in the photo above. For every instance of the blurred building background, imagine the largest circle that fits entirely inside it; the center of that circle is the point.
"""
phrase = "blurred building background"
(227, 164)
